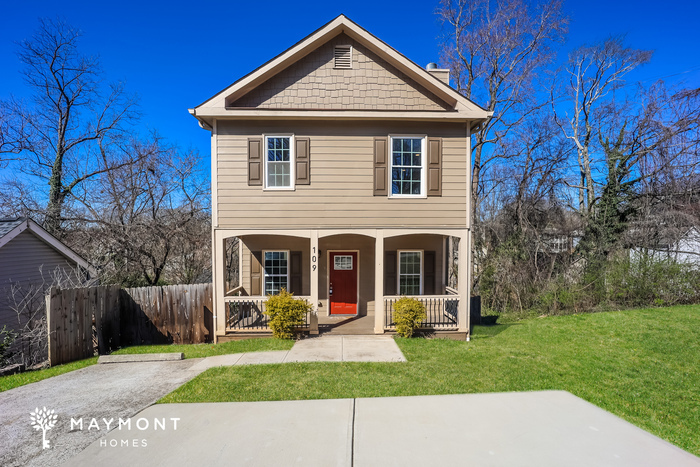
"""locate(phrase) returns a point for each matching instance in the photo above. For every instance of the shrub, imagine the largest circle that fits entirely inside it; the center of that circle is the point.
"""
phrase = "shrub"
(408, 314)
(285, 313)
(7, 337)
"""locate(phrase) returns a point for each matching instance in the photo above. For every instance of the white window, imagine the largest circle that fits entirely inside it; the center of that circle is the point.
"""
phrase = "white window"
(276, 266)
(279, 162)
(342, 263)
(407, 167)
(410, 272)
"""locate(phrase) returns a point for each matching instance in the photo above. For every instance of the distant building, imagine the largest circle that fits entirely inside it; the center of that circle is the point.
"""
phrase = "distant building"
(680, 245)
(31, 260)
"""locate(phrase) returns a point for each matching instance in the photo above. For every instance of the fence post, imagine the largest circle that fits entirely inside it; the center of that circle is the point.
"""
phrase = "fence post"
(51, 324)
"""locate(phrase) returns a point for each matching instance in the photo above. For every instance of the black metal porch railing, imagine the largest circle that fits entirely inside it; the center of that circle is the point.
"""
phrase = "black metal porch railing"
(441, 311)
(248, 313)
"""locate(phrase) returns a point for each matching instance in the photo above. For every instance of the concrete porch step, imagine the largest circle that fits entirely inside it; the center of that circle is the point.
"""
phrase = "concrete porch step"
(346, 326)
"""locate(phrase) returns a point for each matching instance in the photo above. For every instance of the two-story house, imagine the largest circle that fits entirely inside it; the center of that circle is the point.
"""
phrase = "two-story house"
(343, 168)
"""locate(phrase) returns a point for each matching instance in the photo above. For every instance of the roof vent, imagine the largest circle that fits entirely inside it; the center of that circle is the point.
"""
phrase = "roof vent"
(431, 66)
(343, 56)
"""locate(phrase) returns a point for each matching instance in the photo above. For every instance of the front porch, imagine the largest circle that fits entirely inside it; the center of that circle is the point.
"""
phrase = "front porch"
(246, 315)
(352, 279)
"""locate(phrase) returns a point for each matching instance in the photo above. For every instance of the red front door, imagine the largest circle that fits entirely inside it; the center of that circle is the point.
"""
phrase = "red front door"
(342, 287)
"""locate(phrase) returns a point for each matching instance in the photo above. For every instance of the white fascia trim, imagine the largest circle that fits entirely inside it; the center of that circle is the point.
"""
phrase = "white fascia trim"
(242, 114)
(5, 239)
(277, 64)
(343, 25)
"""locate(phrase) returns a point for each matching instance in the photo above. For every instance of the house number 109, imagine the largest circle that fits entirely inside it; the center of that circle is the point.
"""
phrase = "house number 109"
(313, 259)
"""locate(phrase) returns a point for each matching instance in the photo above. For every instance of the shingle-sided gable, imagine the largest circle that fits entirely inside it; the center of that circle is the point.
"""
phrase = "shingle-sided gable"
(315, 83)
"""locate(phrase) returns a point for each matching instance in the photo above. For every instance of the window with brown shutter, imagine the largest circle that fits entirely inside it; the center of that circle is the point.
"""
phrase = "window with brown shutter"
(302, 156)
(255, 162)
(380, 167)
(434, 167)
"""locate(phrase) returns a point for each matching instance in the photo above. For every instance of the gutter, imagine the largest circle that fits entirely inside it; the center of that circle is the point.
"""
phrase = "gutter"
(202, 124)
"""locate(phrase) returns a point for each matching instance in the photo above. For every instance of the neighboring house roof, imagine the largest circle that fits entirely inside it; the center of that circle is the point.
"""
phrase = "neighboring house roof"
(10, 228)
(223, 105)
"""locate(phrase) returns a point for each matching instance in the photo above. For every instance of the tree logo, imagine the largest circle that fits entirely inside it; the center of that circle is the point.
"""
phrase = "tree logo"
(43, 420)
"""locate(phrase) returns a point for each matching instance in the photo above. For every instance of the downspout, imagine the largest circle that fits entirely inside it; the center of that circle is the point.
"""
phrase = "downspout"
(214, 221)
(468, 246)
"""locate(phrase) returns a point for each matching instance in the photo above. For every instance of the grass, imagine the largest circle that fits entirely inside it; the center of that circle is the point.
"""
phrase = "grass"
(210, 350)
(190, 351)
(20, 379)
(641, 365)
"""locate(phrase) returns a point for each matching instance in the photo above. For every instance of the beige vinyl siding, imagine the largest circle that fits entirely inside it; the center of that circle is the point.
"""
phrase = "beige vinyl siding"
(341, 189)
(28, 261)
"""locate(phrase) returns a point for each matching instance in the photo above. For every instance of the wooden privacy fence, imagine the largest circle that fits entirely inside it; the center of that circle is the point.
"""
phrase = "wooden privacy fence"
(109, 317)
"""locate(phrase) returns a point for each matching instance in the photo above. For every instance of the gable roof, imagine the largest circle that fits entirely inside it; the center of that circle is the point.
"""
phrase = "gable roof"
(11, 228)
(218, 106)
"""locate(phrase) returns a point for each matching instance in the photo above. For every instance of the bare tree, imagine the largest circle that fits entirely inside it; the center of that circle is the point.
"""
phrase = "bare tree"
(69, 116)
(637, 143)
(13, 135)
(148, 222)
(497, 53)
(593, 74)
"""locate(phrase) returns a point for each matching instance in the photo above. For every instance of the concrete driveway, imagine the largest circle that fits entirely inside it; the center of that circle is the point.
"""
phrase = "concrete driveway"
(546, 428)
(98, 391)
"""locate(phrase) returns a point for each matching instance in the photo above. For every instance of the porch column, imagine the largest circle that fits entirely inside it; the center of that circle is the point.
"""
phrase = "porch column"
(218, 278)
(313, 323)
(379, 282)
(463, 283)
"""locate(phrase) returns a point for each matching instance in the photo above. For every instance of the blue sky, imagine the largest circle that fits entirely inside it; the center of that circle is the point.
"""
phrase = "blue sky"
(174, 55)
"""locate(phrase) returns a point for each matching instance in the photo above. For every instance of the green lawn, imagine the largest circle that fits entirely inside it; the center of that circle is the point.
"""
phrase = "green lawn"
(20, 379)
(642, 365)
(209, 350)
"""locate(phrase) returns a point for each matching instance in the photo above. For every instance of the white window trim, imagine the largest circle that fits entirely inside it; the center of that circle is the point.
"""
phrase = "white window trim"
(264, 272)
(398, 271)
(292, 172)
(424, 170)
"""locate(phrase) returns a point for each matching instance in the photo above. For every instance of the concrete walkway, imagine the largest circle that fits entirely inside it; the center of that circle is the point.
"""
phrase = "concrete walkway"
(548, 428)
(317, 349)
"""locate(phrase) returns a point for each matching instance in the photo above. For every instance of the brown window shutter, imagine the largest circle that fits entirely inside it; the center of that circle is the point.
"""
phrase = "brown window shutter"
(429, 273)
(380, 167)
(255, 161)
(302, 167)
(434, 166)
(295, 273)
(390, 273)
(255, 273)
